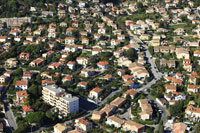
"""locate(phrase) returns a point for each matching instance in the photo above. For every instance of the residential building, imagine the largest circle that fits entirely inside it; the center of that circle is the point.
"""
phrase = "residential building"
(21, 85)
(55, 96)
(147, 110)
(118, 102)
(21, 96)
(192, 113)
(83, 124)
(132, 126)
(95, 93)
(115, 121)
(61, 128)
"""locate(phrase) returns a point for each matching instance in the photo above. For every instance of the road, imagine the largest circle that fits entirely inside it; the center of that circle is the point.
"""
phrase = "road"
(9, 114)
(157, 75)
(164, 112)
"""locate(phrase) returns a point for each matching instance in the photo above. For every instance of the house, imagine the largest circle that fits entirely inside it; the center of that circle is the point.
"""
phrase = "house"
(127, 77)
(37, 62)
(103, 64)
(115, 121)
(120, 72)
(129, 83)
(197, 53)
(11, 62)
(27, 109)
(67, 78)
(48, 54)
(47, 13)
(114, 42)
(63, 24)
(55, 65)
(107, 77)
(138, 70)
(83, 124)
(85, 41)
(61, 128)
(30, 38)
(192, 113)
(170, 88)
(97, 115)
(155, 42)
(132, 126)
(82, 85)
(95, 93)
(82, 60)
(179, 127)
(87, 72)
(21, 84)
(131, 92)
(24, 56)
(70, 40)
(27, 75)
(3, 38)
(17, 38)
(71, 64)
(182, 53)
(3, 79)
(21, 96)
(146, 108)
(48, 82)
(108, 109)
(96, 51)
(169, 63)
(193, 89)
(71, 48)
(118, 53)
(14, 32)
(118, 102)
(179, 31)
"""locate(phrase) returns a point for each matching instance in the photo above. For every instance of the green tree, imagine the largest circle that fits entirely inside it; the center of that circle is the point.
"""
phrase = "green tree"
(131, 54)
(161, 127)
(50, 115)
(35, 117)
(177, 109)
(197, 128)
(22, 128)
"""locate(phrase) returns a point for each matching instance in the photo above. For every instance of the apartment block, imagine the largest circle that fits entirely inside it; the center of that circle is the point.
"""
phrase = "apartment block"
(56, 96)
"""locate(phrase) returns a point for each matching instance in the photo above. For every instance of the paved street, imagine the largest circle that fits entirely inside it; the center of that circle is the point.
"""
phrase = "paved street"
(9, 114)
(157, 75)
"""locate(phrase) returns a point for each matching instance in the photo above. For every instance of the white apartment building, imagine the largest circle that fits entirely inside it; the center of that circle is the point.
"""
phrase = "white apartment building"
(56, 96)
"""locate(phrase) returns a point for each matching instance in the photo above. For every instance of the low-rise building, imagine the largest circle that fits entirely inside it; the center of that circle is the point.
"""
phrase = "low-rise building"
(21, 85)
(192, 113)
(61, 128)
(132, 126)
(115, 121)
(118, 102)
(95, 93)
(83, 124)
(147, 110)
(21, 97)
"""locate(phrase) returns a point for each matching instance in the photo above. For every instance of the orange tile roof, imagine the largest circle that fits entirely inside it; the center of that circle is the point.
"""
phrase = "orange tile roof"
(170, 87)
(127, 76)
(193, 86)
(102, 63)
(197, 52)
(21, 82)
(192, 109)
(97, 90)
(27, 108)
(21, 93)
(131, 92)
